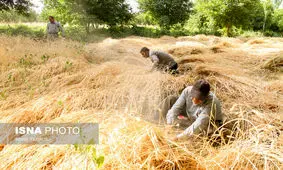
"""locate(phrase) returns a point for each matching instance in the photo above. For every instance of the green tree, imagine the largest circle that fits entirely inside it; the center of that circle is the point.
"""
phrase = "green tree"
(200, 24)
(144, 19)
(266, 16)
(268, 12)
(72, 12)
(167, 12)
(88, 12)
(278, 20)
(229, 13)
(262, 19)
(14, 16)
(21, 6)
(111, 12)
(277, 3)
(62, 10)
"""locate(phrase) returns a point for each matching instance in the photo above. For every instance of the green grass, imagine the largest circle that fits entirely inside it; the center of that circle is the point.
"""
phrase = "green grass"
(78, 33)
(24, 30)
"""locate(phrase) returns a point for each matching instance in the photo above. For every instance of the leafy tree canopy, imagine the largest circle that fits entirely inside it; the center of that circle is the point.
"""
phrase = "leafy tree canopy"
(21, 6)
(228, 13)
(167, 12)
(110, 12)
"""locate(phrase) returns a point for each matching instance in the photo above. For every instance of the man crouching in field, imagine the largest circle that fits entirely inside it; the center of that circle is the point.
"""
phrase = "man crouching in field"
(197, 107)
(53, 28)
(161, 60)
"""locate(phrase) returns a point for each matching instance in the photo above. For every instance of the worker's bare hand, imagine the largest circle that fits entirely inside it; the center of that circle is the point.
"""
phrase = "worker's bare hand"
(168, 128)
(175, 139)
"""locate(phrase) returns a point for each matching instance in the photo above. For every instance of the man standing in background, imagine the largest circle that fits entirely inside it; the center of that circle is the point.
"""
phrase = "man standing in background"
(53, 28)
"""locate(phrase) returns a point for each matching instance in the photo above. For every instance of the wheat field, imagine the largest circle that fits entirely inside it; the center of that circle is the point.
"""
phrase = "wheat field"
(110, 83)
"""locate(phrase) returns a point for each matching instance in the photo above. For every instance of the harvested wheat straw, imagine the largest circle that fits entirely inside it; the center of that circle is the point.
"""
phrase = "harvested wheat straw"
(112, 86)
(274, 63)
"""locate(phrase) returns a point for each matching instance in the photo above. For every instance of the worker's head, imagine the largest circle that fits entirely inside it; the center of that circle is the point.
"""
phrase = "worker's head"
(145, 52)
(200, 91)
(51, 19)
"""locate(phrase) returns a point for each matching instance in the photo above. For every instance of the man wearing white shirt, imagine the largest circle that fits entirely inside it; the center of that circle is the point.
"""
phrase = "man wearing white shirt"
(53, 28)
(197, 106)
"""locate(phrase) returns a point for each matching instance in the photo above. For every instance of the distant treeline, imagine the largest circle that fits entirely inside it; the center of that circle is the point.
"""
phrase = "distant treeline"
(178, 17)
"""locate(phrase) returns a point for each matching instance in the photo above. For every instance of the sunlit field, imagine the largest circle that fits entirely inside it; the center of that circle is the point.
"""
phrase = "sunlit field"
(108, 82)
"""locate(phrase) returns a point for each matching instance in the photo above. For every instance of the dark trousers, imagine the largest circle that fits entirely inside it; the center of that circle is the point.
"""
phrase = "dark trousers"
(173, 69)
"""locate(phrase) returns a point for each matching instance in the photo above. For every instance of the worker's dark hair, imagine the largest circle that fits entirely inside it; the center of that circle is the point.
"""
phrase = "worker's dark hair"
(200, 89)
(51, 17)
(144, 49)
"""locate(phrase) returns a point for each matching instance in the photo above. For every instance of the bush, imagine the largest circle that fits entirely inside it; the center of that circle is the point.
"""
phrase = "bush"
(251, 33)
(13, 16)
(75, 33)
(200, 24)
(34, 32)
(79, 33)
(278, 20)
(146, 31)
(143, 31)
(270, 33)
(178, 30)
(167, 13)
(144, 19)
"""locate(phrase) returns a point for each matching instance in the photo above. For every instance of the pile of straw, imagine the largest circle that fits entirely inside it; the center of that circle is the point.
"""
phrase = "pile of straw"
(115, 88)
(274, 64)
